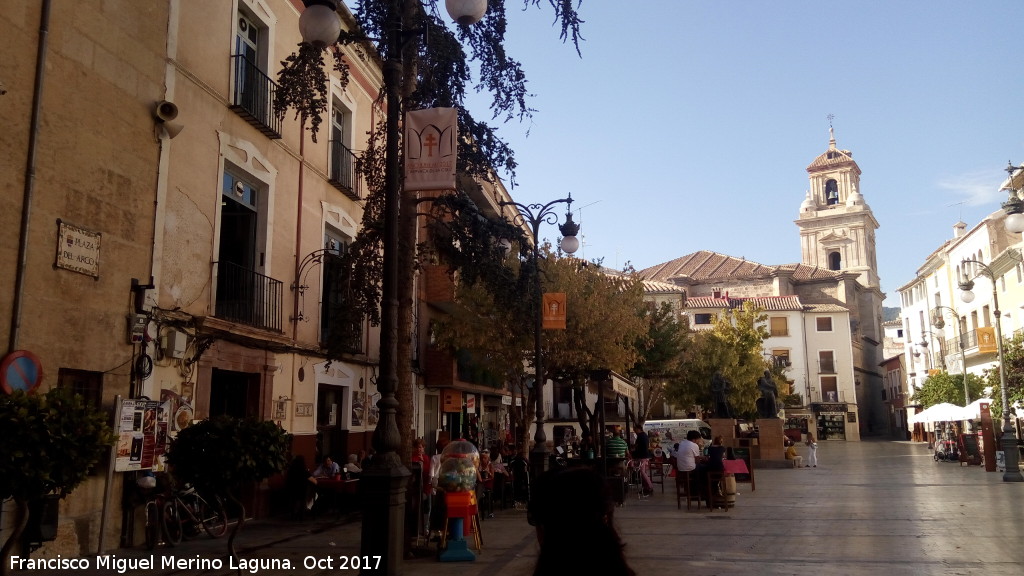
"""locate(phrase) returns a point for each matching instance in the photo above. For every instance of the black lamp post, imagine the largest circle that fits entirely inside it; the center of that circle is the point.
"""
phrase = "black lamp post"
(1014, 206)
(534, 215)
(383, 482)
(939, 323)
(1009, 440)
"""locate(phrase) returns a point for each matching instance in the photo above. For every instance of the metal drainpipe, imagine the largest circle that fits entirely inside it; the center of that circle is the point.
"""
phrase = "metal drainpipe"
(30, 172)
(298, 230)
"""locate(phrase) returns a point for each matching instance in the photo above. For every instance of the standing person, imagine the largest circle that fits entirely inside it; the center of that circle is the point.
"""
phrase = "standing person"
(419, 455)
(485, 482)
(642, 455)
(572, 511)
(438, 513)
(812, 452)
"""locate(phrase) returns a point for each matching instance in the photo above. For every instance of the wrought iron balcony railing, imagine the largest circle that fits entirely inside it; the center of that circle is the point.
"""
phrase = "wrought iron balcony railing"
(343, 170)
(253, 98)
(248, 297)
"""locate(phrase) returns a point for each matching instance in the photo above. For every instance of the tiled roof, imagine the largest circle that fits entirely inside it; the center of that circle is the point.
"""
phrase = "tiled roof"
(826, 308)
(705, 266)
(656, 287)
(831, 158)
(766, 303)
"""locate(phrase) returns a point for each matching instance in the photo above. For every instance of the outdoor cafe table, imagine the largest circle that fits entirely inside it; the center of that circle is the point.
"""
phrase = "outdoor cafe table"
(338, 492)
(736, 466)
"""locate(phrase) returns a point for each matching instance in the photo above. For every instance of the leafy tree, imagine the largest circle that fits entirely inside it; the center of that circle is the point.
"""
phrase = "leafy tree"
(435, 76)
(946, 387)
(1013, 364)
(661, 355)
(604, 320)
(220, 456)
(734, 346)
(50, 442)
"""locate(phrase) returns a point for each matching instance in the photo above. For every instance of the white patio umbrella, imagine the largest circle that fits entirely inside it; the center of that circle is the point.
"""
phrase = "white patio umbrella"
(973, 410)
(944, 412)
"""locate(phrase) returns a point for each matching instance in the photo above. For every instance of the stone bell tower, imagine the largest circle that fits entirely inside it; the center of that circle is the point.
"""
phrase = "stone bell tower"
(837, 228)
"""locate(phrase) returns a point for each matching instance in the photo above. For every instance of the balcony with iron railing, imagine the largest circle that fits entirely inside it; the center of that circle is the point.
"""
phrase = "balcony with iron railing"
(968, 338)
(343, 170)
(253, 97)
(248, 297)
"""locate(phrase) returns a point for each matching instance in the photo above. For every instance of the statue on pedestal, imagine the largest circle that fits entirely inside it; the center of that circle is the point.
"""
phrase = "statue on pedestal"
(767, 404)
(720, 388)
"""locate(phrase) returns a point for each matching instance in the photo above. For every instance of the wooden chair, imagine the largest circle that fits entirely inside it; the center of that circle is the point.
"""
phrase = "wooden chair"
(715, 489)
(683, 491)
(657, 473)
(744, 454)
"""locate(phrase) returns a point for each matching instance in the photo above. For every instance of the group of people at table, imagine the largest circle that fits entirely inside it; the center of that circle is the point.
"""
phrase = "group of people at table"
(329, 479)
(690, 455)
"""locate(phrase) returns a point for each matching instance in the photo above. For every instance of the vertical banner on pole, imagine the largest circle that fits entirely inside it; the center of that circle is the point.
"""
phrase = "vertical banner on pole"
(987, 340)
(430, 149)
(553, 317)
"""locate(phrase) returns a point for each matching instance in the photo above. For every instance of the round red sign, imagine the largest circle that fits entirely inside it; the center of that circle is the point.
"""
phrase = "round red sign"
(20, 370)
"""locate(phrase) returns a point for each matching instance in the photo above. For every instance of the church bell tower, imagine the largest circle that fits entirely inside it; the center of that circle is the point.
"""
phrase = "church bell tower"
(837, 228)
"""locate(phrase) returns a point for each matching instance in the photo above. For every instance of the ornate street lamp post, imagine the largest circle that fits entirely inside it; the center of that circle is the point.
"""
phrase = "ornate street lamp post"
(1009, 440)
(939, 323)
(923, 345)
(384, 481)
(534, 215)
(1014, 206)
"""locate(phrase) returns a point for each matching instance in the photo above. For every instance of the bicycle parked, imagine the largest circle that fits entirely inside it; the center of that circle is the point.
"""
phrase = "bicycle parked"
(154, 521)
(186, 510)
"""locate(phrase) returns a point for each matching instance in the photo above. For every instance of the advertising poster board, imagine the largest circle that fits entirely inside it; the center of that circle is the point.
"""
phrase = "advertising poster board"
(146, 427)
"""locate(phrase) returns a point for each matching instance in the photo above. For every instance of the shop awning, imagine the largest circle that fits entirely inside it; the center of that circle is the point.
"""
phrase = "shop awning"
(617, 384)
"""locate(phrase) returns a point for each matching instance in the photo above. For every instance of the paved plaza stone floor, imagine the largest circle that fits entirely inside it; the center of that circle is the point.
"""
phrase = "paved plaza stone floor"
(871, 507)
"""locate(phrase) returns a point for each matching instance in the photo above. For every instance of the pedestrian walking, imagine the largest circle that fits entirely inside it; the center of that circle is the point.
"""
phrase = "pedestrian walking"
(572, 511)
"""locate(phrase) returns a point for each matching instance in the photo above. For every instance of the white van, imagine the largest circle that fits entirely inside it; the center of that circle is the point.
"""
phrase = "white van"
(670, 432)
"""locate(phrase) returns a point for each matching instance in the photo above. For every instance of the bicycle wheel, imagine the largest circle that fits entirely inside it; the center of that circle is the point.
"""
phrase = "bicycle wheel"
(213, 516)
(172, 524)
(152, 524)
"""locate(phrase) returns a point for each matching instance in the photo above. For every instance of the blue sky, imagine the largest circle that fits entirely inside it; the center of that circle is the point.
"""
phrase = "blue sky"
(688, 125)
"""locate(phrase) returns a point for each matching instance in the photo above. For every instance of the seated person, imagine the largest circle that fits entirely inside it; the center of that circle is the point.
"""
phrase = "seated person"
(352, 469)
(300, 486)
(616, 445)
(792, 455)
(327, 469)
(716, 453)
(689, 459)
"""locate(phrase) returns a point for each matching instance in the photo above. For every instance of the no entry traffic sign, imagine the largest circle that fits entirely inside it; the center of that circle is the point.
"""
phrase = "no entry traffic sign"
(20, 370)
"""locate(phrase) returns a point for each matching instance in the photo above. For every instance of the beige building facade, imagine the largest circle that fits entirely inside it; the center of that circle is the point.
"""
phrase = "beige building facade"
(826, 310)
(934, 294)
(167, 237)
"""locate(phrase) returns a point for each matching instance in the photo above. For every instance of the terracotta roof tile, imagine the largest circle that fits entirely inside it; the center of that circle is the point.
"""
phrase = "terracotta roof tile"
(656, 287)
(766, 303)
(706, 266)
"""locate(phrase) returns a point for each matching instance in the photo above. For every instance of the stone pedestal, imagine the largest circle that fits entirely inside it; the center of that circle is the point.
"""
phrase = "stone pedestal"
(770, 438)
(724, 427)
